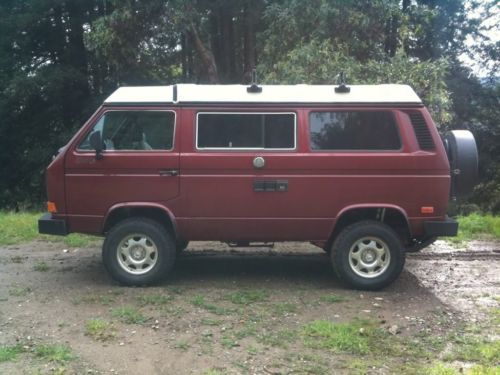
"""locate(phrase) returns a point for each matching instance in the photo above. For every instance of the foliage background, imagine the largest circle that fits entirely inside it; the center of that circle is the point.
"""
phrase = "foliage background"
(60, 58)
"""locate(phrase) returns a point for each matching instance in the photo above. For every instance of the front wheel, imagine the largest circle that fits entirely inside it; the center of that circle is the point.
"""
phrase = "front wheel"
(138, 251)
(368, 255)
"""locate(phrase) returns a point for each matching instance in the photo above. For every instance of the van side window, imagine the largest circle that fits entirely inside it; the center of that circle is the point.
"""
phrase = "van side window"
(353, 130)
(134, 130)
(245, 131)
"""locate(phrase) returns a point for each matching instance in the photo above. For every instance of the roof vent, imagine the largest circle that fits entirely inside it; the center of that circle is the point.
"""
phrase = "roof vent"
(422, 132)
(254, 88)
(342, 88)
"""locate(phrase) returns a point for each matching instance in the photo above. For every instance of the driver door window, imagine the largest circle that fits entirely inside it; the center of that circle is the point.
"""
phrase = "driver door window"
(134, 130)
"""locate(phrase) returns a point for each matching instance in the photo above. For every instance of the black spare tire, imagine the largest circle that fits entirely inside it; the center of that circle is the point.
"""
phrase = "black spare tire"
(462, 153)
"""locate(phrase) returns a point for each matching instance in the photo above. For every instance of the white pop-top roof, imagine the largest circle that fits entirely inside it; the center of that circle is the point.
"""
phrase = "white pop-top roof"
(192, 93)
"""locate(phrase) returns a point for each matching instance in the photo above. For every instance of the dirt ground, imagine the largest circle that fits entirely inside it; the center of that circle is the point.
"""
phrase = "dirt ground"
(230, 311)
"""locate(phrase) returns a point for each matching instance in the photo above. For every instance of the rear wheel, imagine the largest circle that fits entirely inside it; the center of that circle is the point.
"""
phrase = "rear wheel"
(181, 245)
(138, 251)
(368, 255)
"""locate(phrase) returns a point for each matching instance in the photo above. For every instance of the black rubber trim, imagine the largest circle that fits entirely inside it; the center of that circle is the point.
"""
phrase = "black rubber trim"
(448, 228)
(48, 225)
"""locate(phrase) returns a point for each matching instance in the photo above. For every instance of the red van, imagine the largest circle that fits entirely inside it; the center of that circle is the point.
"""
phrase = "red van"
(360, 171)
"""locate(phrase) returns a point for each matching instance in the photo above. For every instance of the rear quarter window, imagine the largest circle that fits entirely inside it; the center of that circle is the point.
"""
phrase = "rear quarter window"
(353, 130)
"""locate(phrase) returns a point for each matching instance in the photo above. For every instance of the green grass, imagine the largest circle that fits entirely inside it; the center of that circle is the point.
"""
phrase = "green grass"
(23, 227)
(441, 369)
(99, 329)
(476, 226)
(129, 315)
(355, 337)
(54, 353)
(247, 296)
(332, 298)
(199, 301)
(444, 369)
(41, 267)
(284, 308)
(474, 349)
(210, 322)
(154, 299)
(279, 339)
(214, 372)
(19, 291)
(103, 299)
(10, 352)
(182, 344)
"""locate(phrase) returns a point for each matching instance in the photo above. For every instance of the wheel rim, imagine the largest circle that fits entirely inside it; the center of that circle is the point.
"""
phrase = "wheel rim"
(369, 257)
(137, 254)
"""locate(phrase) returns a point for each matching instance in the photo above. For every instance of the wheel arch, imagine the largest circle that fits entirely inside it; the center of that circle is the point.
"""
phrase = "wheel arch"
(153, 211)
(389, 214)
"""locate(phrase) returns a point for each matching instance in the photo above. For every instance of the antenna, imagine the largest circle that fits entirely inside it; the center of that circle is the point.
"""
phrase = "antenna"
(342, 88)
(254, 88)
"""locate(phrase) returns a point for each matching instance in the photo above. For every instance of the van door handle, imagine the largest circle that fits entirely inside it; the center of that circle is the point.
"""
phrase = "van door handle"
(169, 172)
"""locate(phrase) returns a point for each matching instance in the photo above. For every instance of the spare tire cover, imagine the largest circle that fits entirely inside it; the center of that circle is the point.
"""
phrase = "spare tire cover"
(462, 153)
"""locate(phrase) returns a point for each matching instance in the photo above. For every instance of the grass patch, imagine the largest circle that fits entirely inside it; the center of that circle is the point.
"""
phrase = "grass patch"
(54, 353)
(332, 298)
(10, 352)
(210, 322)
(284, 308)
(214, 372)
(154, 299)
(483, 370)
(354, 337)
(229, 342)
(19, 291)
(199, 301)
(41, 267)
(16, 259)
(99, 329)
(23, 227)
(441, 369)
(472, 349)
(182, 344)
(476, 226)
(279, 339)
(103, 299)
(247, 296)
(129, 315)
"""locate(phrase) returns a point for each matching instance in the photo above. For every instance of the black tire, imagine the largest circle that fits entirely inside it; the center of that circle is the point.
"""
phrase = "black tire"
(461, 149)
(377, 236)
(181, 245)
(145, 235)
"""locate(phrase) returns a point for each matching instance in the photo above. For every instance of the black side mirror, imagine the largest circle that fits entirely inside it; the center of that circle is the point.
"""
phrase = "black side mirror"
(97, 144)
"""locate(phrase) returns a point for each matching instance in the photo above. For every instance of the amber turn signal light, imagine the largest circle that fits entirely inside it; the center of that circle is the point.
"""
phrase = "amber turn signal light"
(51, 207)
(427, 210)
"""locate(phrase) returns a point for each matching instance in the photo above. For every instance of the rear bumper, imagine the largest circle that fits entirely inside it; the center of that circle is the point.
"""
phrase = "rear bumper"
(448, 228)
(48, 225)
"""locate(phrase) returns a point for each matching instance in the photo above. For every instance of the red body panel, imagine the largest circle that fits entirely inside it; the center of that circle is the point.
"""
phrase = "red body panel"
(213, 198)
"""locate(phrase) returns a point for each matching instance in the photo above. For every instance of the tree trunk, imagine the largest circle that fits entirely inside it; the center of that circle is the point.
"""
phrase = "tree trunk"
(228, 55)
(249, 42)
(206, 57)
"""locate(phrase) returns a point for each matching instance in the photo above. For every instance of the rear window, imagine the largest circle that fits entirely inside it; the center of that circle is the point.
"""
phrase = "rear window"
(353, 130)
(134, 130)
(245, 131)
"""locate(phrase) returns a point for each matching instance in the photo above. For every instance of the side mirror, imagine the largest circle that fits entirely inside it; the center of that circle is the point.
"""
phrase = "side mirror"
(97, 144)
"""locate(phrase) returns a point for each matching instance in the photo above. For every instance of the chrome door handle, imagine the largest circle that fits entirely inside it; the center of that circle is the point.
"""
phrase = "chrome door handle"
(169, 172)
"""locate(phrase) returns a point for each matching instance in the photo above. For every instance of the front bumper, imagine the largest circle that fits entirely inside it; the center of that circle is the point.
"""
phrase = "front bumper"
(48, 225)
(448, 228)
